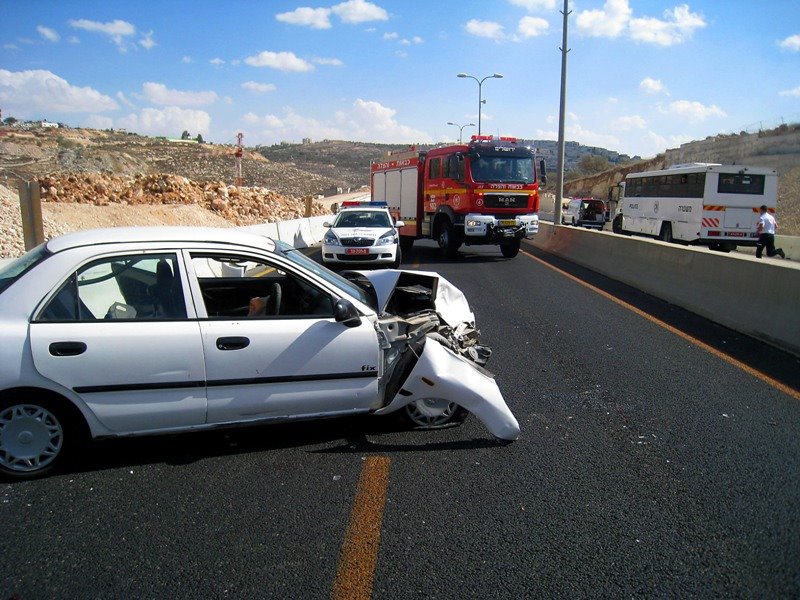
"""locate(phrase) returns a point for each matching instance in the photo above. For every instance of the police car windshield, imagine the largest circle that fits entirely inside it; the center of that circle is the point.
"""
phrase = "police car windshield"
(363, 218)
(503, 169)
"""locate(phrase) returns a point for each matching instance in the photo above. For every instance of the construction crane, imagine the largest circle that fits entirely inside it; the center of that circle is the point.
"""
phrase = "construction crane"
(238, 155)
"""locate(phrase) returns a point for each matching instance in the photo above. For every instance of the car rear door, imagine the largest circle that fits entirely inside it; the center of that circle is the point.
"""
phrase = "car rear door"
(291, 360)
(106, 336)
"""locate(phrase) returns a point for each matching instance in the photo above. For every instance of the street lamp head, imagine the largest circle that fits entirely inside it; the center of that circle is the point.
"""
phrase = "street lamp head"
(470, 125)
(497, 76)
(462, 75)
(451, 123)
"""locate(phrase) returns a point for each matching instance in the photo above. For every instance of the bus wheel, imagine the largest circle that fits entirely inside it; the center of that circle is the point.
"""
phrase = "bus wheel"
(666, 232)
(510, 249)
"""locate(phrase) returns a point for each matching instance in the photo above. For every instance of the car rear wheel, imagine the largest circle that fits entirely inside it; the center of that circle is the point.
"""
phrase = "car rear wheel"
(35, 436)
(434, 413)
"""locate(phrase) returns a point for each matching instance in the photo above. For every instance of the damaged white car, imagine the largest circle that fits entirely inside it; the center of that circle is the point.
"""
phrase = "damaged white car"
(138, 331)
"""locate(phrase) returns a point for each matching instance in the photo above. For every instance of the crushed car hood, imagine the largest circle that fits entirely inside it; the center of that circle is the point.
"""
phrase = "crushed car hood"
(430, 288)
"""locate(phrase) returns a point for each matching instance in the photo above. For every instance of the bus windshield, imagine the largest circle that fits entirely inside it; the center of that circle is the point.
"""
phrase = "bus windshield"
(503, 169)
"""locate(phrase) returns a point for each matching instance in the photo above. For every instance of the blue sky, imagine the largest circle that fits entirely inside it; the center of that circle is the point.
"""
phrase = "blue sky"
(644, 75)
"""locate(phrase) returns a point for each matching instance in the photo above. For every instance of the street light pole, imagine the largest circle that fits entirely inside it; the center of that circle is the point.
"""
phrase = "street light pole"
(562, 118)
(480, 97)
(460, 128)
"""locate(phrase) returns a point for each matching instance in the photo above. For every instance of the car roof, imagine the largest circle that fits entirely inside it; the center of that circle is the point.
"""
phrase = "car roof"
(364, 209)
(132, 235)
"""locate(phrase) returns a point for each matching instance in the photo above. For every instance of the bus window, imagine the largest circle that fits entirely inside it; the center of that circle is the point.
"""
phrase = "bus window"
(740, 183)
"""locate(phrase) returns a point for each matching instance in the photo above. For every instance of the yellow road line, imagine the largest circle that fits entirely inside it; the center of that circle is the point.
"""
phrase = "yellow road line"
(728, 359)
(360, 549)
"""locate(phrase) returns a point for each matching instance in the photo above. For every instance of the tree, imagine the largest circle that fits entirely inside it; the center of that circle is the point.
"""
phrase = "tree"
(10, 120)
(185, 135)
(199, 139)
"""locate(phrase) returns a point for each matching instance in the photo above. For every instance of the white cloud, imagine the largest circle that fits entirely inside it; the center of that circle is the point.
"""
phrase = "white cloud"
(359, 11)
(412, 41)
(678, 26)
(616, 18)
(791, 43)
(533, 5)
(51, 35)
(330, 62)
(117, 31)
(187, 60)
(122, 98)
(73, 39)
(628, 123)
(158, 93)
(651, 86)
(390, 35)
(258, 88)
(795, 92)
(609, 21)
(282, 61)
(30, 93)
(365, 121)
(485, 29)
(532, 27)
(169, 121)
(692, 110)
(316, 18)
(99, 122)
(217, 62)
(147, 42)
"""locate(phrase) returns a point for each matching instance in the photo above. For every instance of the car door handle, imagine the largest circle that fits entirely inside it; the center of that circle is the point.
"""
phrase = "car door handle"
(67, 348)
(232, 343)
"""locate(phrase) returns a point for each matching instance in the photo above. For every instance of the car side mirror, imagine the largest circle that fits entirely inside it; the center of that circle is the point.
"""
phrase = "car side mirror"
(542, 172)
(345, 313)
(327, 224)
(399, 224)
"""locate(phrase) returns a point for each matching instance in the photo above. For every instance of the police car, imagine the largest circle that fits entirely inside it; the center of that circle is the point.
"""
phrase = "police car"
(362, 233)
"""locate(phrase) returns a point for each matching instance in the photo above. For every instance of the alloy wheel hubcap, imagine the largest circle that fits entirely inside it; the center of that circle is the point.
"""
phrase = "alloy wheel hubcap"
(31, 437)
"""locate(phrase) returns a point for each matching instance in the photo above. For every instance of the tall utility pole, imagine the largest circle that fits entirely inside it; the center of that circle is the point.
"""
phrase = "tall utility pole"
(562, 116)
(238, 155)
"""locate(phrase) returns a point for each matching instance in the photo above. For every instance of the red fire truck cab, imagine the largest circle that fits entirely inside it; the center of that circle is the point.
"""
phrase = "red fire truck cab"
(483, 192)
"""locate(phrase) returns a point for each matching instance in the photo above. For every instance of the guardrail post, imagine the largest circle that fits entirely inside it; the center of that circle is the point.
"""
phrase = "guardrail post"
(30, 204)
(309, 200)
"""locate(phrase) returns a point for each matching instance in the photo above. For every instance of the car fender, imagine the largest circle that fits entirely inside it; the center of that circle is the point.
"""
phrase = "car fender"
(442, 374)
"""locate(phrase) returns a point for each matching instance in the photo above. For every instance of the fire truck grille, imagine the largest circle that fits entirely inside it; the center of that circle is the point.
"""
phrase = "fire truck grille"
(505, 201)
(357, 241)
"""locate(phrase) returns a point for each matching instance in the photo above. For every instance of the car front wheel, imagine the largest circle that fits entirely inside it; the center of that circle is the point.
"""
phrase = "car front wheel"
(434, 413)
(34, 438)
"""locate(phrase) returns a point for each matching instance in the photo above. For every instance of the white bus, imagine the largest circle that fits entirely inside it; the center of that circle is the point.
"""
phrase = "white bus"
(706, 204)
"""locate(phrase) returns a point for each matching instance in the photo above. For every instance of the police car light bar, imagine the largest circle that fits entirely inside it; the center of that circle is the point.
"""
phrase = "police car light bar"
(364, 203)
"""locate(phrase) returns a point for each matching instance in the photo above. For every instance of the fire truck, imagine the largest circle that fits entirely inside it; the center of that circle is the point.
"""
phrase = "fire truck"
(479, 193)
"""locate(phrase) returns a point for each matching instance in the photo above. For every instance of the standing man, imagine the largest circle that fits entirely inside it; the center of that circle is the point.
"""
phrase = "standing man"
(765, 228)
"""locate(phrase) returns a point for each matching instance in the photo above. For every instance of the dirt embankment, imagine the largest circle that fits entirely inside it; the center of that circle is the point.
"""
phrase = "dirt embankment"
(72, 202)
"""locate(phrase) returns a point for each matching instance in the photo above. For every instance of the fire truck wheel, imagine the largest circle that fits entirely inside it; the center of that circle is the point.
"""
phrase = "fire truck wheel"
(447, 240)
(510, 249)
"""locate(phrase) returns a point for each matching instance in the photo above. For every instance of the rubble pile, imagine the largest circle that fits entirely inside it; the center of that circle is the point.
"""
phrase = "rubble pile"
(239, 205)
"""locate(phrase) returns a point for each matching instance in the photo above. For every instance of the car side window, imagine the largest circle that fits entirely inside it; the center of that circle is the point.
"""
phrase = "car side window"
(240, 286)
(138, 287)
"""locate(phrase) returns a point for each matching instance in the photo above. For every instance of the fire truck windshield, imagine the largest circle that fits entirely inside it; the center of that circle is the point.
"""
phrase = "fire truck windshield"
(503, 169)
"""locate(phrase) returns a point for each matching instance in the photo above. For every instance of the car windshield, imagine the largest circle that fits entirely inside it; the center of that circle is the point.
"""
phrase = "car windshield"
(363, 218)
(348, 287)
(15, 269)
(503, 169)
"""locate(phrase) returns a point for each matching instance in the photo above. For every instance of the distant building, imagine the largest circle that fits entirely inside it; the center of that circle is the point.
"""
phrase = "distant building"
(306, 140)
(49, 124)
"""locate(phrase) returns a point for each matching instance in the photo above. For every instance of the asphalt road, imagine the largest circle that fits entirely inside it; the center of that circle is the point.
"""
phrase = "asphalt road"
(648, 466)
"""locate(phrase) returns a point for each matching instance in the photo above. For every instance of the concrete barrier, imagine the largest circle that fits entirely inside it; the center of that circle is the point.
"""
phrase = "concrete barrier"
(760, 298)
(300, 233)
